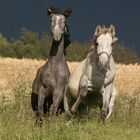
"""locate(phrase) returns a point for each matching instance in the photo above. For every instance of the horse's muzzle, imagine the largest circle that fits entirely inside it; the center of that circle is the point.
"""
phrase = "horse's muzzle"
(103, 59)
(57, 33)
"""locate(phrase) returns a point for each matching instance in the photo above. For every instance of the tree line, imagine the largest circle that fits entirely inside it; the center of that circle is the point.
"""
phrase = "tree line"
(31, 45)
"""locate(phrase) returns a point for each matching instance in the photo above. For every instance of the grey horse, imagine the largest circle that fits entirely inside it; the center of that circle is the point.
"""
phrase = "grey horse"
(92, 82)
(51, 79)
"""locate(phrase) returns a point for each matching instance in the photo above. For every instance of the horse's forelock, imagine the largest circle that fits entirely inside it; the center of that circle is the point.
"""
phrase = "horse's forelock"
(102, 31)
(54, 10)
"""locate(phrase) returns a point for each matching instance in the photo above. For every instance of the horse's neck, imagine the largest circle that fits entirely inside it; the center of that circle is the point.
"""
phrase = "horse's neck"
(57, 50)
(92, 65)
(91, 59)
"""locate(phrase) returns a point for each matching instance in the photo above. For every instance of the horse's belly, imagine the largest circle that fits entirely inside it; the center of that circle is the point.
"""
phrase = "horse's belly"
(92, 100)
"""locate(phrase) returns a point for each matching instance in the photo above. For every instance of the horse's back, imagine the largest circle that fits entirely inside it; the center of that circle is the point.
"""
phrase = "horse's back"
(74, 79)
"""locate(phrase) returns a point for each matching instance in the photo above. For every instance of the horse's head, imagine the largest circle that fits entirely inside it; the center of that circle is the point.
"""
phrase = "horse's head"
(58, 21)
(104, 39)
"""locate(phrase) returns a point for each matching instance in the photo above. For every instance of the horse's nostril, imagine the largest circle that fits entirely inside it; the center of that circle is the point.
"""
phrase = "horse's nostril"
(57, 33)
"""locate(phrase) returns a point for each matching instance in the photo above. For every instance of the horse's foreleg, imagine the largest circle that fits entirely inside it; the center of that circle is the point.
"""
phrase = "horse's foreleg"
(112, 101)
(82, 93)
(76, 104)
(105, 102)
(57, 99)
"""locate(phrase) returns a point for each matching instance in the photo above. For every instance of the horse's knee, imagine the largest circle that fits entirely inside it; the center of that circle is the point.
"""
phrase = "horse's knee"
(83, 92)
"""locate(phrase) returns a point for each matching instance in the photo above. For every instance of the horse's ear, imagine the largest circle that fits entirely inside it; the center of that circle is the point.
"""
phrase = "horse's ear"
(97, 30)
(67, 12)
(49, 11)
(112, 30)
(52, 10)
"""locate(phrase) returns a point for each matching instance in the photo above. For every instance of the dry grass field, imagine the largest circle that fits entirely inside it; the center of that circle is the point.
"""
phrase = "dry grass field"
(17, 71)
(17, 119)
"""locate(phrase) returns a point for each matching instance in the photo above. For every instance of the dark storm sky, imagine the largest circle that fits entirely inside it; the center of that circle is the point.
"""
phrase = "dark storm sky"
(124, 14)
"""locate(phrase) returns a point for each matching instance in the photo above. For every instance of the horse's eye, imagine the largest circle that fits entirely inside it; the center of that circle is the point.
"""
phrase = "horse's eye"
(63, 21)
(112, 44)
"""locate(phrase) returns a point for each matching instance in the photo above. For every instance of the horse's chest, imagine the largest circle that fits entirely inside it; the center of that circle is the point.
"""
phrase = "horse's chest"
(53, 74)
(95, 79)
(98, 81)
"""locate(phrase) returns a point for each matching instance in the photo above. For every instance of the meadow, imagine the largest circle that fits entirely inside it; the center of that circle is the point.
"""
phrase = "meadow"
(17, 119)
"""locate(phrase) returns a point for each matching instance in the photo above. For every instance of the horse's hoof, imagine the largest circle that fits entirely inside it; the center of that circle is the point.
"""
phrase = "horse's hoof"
(39, 123)
(67, 117)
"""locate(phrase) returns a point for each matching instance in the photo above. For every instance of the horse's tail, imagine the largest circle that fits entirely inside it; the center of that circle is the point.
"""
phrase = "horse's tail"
(34, 101)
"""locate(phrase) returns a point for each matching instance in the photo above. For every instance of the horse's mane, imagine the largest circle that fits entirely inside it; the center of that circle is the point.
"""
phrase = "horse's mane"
(67, 40)
(103, 30)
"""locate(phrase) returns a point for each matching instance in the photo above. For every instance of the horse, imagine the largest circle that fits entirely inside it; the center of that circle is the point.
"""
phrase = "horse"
(51, 78)
(92, 82)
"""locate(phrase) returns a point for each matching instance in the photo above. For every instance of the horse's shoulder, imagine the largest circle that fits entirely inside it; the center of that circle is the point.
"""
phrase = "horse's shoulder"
(90, 54)
(112, 63)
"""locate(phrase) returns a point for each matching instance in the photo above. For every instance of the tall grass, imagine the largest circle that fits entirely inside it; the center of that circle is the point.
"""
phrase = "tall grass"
(17, 121)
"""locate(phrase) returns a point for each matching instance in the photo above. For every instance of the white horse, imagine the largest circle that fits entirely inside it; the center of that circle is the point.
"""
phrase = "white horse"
(92, 82)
